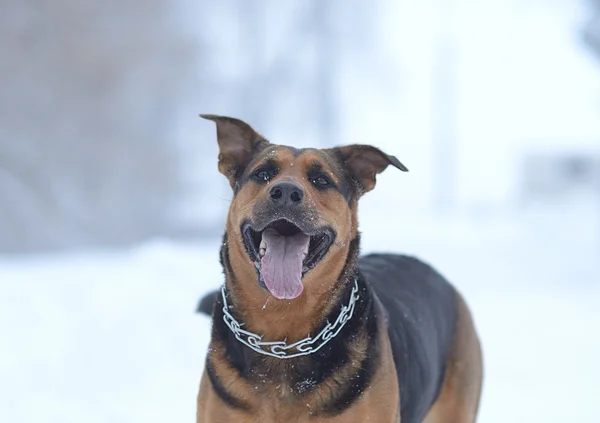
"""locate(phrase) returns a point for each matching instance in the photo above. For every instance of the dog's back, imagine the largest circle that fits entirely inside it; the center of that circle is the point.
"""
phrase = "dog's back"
(421, 309)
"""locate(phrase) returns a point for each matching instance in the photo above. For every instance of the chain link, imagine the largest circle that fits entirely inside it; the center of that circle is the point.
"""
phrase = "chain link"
(281, 349)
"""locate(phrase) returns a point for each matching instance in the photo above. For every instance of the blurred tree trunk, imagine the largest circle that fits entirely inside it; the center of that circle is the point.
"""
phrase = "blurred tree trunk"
(326, 118)
(89, 92)
(591, 31)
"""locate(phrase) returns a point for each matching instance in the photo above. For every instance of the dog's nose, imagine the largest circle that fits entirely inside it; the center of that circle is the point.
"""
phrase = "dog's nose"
(286, 193)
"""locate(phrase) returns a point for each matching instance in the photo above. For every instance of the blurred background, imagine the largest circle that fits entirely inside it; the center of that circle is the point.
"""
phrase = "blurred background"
(111, 206)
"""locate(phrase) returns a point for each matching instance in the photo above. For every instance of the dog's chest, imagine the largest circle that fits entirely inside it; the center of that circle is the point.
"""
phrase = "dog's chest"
(283, 387)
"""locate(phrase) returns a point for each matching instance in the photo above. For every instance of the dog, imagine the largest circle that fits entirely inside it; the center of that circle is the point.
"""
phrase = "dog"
(305, 330)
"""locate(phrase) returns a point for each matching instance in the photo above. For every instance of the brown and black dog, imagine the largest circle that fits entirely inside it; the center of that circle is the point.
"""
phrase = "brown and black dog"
(306, 331)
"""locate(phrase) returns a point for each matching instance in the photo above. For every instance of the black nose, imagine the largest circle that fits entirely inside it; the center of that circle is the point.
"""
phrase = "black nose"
(286, 193)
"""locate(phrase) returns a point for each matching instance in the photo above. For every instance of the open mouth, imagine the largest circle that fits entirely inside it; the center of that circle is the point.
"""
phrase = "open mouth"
(283, 253)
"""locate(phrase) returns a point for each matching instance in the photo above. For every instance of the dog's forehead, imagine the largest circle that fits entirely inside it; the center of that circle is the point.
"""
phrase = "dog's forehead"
(290, 156)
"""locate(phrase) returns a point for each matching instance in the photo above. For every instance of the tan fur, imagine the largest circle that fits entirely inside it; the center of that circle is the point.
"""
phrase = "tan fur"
(459, 398)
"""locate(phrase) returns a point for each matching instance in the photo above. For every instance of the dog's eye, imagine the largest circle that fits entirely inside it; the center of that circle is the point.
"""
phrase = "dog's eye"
(321, 181)
(263, 175)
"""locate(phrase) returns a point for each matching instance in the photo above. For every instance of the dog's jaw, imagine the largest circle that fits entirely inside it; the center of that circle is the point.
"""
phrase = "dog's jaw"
(283, 253)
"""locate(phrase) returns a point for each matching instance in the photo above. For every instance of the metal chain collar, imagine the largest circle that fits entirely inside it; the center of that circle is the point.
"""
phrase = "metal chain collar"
(281, 349)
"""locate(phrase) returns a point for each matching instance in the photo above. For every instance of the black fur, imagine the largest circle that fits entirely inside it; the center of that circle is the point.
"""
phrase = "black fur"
(350, 188)
(207, 303)
(347, 393)
(421, 308)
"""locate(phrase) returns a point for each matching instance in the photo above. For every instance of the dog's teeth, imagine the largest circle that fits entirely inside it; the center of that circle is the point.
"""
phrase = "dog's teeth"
(262, 252)
(263, 245)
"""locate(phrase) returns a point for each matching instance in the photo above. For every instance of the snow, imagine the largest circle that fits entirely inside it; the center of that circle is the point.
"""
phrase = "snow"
(107, 337)
(113, 337)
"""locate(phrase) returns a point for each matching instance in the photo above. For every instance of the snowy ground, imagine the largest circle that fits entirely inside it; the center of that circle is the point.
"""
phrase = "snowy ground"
(112, 337)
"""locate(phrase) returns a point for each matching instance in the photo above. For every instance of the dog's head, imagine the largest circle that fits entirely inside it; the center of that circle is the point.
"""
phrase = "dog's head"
(293, 214)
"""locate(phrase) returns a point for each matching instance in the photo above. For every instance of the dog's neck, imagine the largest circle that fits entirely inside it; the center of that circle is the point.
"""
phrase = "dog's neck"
(282, 349)
(353, 352)
(290, 320)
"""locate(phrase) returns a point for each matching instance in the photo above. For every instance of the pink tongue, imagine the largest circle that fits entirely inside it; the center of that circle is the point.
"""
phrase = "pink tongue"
(281, 267)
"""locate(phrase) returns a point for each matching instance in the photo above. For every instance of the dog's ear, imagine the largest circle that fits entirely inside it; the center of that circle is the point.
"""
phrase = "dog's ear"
(238, 145)
(364, 162)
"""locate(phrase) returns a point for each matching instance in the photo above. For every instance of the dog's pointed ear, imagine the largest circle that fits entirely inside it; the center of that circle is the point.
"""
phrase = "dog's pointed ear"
(238, 145)
(364, 162)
